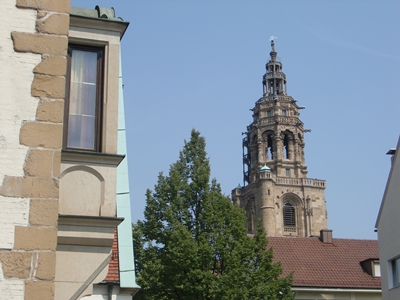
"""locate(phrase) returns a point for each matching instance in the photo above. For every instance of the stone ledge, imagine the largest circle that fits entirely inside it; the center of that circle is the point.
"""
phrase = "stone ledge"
(91, 221)
(86, 230)
(79, 156)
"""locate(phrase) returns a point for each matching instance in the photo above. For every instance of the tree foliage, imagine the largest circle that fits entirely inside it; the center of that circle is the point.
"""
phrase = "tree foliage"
(193, 244)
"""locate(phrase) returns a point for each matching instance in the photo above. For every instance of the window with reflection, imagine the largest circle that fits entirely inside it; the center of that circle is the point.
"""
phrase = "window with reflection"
(83, 101)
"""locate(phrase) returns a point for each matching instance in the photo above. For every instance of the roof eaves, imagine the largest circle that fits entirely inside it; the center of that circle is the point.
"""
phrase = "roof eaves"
(98, 14)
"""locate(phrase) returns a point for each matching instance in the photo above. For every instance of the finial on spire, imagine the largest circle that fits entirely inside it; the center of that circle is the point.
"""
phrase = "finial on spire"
(272, 38)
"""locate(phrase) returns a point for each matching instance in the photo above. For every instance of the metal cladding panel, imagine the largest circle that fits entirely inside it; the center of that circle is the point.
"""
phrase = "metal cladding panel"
(125, 242)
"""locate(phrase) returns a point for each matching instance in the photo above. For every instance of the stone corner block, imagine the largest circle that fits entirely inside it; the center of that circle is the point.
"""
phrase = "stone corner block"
(39, 290)
(43, 212)
(51, 5)
(52, 65)
(16, 264)
(30, 187)
(46, 269)
(39, 163)
(35, 238)
(40, 43)
(53, 24)
(48, 86)
(11, 187)
(38, 134)
(50, 111)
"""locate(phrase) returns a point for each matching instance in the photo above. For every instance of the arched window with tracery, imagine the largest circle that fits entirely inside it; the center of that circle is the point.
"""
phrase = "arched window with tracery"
(289, 217)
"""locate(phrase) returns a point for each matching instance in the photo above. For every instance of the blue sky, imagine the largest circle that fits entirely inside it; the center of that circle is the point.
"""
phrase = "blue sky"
(199, 64)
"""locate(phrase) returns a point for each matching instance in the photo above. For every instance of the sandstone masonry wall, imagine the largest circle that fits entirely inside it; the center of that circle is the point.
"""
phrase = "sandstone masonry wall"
(33, 48)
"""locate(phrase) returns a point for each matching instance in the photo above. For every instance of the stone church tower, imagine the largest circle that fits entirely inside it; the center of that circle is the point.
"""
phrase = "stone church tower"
(276, 188)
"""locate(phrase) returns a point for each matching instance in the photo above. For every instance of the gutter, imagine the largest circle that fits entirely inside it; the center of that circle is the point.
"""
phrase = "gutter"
(339, 290)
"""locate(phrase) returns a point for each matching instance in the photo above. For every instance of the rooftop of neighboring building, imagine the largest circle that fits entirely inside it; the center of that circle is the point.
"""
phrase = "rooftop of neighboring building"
(113, 266)
(343, 263)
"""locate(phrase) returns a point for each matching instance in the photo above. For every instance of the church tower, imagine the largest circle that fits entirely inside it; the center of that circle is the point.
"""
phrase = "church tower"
(276, 188)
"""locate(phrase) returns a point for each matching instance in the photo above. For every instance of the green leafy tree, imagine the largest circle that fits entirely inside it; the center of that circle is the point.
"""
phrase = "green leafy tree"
(193, 244)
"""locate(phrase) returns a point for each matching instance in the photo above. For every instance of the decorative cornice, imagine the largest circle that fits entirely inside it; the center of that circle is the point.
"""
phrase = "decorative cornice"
(92, 221)
(93, 231)
(77, 156)
(113, 25)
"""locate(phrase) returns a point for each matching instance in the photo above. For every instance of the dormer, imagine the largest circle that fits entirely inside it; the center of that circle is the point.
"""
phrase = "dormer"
(372, 267)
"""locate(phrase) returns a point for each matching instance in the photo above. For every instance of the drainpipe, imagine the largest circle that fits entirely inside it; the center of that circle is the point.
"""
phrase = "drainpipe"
(110, 290)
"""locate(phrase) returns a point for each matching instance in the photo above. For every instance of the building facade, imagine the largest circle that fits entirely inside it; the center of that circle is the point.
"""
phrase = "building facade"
(276, 188)
(59, 147)
(387, 226)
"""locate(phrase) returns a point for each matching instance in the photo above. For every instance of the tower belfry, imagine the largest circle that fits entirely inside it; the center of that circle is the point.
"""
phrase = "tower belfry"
(276, 188)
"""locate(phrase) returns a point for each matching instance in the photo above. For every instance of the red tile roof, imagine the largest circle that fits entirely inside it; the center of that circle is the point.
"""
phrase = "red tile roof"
(335, 265)
(113, 266)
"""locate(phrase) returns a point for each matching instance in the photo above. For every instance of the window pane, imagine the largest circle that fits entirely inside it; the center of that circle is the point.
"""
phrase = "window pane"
(83, 66)
(377, 269)
(82, 101)
(396, 272)
(81, 131)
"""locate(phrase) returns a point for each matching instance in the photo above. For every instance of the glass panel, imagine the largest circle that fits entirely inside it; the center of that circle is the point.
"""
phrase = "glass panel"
(82, 102)
(396, 270)
(377, 269)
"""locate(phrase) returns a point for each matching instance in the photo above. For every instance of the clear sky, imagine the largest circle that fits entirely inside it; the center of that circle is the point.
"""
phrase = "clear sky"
(199, 64)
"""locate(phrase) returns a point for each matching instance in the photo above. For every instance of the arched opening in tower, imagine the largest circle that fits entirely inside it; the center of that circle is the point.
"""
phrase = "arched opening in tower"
(270, 149)
(271, 86)
(286, 146)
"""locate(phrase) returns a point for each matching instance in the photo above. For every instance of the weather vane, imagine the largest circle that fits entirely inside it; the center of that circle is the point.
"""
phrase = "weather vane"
(272, 38)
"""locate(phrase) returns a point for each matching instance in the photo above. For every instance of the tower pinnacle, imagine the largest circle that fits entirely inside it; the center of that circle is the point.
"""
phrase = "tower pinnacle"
(273, 52)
